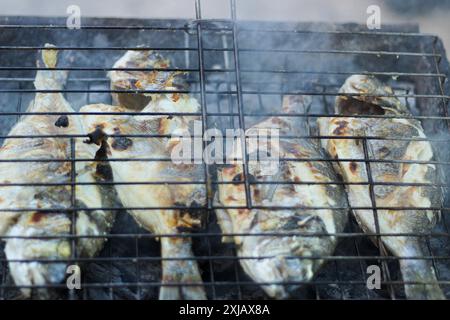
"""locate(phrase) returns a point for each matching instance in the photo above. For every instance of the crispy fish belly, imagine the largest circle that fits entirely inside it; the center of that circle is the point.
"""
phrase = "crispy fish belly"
(178, 265)
(282, 257)
(417, 221)
(133, 80)
(53, 220)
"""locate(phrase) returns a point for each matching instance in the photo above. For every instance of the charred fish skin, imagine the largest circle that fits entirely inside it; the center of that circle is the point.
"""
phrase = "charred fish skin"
(374, 98)
(56, 224)
(178, 264)
(283, 258)
(182, 269)
(142, 79)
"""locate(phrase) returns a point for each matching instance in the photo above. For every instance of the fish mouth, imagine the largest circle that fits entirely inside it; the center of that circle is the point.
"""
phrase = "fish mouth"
(282, 262)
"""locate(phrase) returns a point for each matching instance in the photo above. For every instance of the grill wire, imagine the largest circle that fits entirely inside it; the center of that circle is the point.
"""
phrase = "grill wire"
(239, 72)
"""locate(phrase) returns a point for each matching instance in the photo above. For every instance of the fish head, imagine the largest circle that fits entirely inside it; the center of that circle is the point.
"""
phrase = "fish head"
(153, 78)
(365, 95)
(281, 261)
(43, 258)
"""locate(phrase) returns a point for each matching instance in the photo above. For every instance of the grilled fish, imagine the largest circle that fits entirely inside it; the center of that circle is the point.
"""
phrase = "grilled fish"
(283, 258)
(180, 267)
(368, 100)
(142, 79)
(56, 199)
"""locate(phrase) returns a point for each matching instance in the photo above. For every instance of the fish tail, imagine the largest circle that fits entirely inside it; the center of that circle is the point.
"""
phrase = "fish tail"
(420, 271)
(179, 271)
(48, 79)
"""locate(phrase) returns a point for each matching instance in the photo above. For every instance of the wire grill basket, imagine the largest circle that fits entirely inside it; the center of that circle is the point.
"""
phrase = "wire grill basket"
(239, 72)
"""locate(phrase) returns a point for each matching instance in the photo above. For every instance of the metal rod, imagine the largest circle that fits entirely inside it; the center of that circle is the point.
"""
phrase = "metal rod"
(353, 235)
(74, 214)
(224, 283)
(207, 174)
(272, 207)
(232, 258)
(380, 244)
(241, 82)
(240, 106)
(258, 50)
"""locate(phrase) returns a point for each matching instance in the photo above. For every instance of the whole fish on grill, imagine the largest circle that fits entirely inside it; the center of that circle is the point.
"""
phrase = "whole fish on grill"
(279, 257)
(50, 213)
(124, 78)
(177, 264)
(397, 151)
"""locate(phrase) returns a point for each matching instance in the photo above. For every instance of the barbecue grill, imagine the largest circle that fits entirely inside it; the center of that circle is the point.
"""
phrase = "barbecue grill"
(239, 72)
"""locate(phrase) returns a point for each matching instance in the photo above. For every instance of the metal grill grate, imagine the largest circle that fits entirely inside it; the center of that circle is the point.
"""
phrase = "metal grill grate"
(239, 72)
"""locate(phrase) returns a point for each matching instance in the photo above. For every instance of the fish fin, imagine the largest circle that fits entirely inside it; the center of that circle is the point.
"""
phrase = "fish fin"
(179, 271)
(224, 221)
(225, 225)
(420, 271)
(49, 79)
